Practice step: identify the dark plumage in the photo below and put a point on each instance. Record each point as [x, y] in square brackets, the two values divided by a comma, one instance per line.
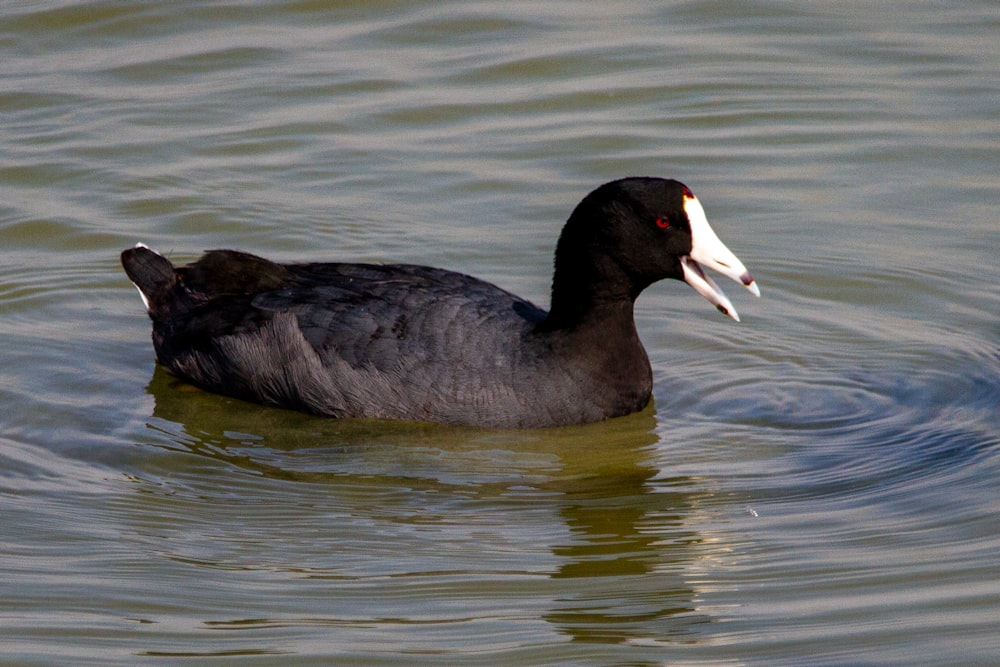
[398, 341]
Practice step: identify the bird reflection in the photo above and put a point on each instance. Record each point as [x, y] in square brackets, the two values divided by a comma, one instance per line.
[620, 541]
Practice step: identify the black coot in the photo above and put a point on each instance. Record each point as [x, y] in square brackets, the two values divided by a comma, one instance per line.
[398, 341]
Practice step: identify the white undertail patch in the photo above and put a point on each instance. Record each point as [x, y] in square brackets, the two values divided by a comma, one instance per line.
[145, 300]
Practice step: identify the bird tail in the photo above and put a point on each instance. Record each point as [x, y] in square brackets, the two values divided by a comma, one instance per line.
[153, 275]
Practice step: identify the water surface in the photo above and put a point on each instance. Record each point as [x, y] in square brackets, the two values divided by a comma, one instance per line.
[816, 485]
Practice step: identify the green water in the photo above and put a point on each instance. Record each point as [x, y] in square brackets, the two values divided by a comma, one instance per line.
[814, 486]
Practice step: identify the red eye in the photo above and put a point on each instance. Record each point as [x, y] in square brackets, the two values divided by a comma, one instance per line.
[662, 223]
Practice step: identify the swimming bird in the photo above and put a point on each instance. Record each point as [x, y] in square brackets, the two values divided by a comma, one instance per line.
[407, 342]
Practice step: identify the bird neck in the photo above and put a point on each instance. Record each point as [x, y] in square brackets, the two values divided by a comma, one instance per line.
[589, 295]
[589, 286]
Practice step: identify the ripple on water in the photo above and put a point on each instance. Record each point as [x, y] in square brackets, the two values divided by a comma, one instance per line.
[849, 163]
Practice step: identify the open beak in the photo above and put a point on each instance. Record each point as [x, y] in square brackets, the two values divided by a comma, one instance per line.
[707, 250]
